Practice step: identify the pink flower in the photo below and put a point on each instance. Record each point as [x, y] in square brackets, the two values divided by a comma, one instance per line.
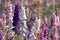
[55, 38]
[45, 20]
[53, 19]
[9, 10]
[1, 22]
[37, 38]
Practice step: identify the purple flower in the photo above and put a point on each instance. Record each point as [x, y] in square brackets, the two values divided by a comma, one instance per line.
[51, 36]
[0, 36]
[33, 17]
[45, 33]
[29, 24]
[16, 18]
[25, 38]
[46, 30]
[3, 1]
[42, 38]
[17, 31]
[44, 2]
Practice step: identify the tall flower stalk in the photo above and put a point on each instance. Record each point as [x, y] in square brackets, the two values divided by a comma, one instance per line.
[9, 14]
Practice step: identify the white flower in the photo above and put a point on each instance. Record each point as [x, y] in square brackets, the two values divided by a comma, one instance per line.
[11, 34]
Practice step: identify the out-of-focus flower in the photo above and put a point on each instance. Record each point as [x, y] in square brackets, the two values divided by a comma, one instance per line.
[37, 2]
[9, 13]
[27, 35]
[46, 20]
[33, 17]
[53, 19]
[37, 39]
[55, 38]
[1, 22]
[45, 33]
[30, 25]
[1, 36]
[46, 27]
[9, 10]
[16, 18]
[17, 31]
[43, 26]
[4, 18]
[26, 38]
[42, 33]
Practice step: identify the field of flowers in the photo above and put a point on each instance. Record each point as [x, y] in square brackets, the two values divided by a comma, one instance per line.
[29, 19]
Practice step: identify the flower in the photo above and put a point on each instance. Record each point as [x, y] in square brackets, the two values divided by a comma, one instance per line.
[0, 36]
[46, 20]
[37, 39]
[55, 38]
[25, 38]
[16, 18]
[45, 33]
[33, 17]
[29, 24]
[53, 19]
[17, 31]
[9, 13]
[1, 22]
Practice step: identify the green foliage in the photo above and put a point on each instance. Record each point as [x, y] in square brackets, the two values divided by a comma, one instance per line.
[13, 1]
[58, 5]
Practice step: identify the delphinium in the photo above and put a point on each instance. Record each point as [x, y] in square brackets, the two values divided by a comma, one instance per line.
[26, 38]
[41, 35]
[46, 28]
[26, 35]
[54, 28]
[16, 15]
[57, 19]
[53, 19]
[31, 21]
[17, 20]
[55, 33]
[9, 14]
[1, 22]
[4, 19]
[29, 24]
[33, 17]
